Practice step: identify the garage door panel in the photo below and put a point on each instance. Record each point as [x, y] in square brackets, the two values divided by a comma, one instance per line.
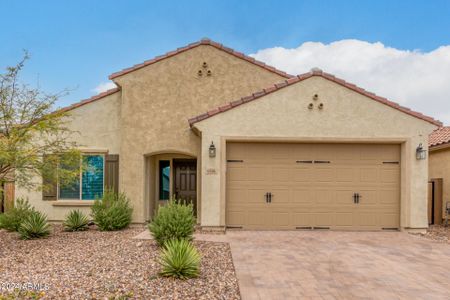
[260, 218]
[368, 219]
[256, 196]
[325, 219]
[302, 196]
[325, 197]
[313, 194]
[237, 195]
[324, 174]
[280, 174]
[389, 197]
[368, 197]
[344, 219]
[390, 175]
[280, 195]
[344, 197]
[346, 174]
[368, 174]
[236, 217]
[390, 220]
[302, 174]
[236, 173]
[280, 219]
[301, 219]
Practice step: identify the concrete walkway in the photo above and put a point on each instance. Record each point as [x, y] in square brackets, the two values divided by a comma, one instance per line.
[337, 265]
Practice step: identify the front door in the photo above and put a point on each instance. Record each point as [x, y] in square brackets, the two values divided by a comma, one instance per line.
[185, 180]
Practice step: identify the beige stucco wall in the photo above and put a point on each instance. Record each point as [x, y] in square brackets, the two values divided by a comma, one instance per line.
[347, 116]
[96, 128]
[439, 167]
[158, 100]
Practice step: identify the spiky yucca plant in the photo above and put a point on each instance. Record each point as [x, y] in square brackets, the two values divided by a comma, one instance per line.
[76, 221]
[179, 259]
[34, 226]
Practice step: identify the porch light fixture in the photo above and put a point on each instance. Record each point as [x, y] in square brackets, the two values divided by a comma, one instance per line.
[212, 150]
[420, 152]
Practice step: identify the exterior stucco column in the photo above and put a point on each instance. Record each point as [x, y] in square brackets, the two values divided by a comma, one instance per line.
[418, 185]
[211, 174]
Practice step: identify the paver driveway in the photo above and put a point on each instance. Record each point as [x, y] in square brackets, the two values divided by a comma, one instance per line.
[338, 265]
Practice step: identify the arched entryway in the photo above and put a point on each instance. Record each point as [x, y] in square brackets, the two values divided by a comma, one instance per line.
[170, 175]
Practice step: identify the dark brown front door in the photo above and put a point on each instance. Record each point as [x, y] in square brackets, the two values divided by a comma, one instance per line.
[185, 180]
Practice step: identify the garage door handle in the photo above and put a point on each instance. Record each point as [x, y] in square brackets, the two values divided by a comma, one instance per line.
[356, 197]
[268, 197]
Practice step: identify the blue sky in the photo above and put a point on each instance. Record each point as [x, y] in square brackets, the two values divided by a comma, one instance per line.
[77, 44]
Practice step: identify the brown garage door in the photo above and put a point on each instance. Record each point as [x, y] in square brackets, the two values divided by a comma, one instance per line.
[296, 186]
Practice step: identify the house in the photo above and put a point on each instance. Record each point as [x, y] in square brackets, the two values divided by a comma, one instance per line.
[439, 174]
[251, 146]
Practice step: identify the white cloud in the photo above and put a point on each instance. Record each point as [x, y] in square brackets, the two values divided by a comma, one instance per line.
[103, 87]
[416, 79]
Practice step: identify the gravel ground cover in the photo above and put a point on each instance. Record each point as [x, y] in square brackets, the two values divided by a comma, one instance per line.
[110, 265]
[438, 233]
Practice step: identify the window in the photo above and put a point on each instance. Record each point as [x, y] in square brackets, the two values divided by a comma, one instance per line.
[90, 183]
[164, 179]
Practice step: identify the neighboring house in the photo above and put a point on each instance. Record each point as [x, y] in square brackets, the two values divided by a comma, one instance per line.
[250, 146]
[439, 173]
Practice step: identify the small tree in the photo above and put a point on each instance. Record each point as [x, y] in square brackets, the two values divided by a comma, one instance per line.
[31, 133]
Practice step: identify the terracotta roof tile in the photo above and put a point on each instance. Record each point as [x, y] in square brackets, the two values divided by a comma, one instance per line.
[196, 44]
[439, 137]
[318, 72]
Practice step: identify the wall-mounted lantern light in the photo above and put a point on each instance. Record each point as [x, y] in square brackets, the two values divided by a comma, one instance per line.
[212, 150]
[420, 152]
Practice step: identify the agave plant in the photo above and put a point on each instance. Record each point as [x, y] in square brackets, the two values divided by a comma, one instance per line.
[34, 226]
[76, 221]
[179, 259]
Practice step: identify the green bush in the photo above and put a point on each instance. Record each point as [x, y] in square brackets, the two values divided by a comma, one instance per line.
[76, 221]
[112, 212]
[179, 259]
[173, 221]
[12, 219]
[34, 226]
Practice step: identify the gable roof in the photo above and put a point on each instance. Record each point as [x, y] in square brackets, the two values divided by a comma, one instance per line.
[204, 41]
[89, 100]
[298, 78]
[439, 137]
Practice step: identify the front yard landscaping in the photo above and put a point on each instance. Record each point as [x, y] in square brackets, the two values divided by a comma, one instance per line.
[97, 264]
[439, 233]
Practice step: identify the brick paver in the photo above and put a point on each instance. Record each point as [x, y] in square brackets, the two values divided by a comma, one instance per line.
[338, 265]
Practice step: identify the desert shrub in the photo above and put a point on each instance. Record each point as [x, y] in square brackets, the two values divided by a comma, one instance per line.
[76, 221]
[112, 212]
[179, 259]
[12, 218]
[173, 221]
[34, 226]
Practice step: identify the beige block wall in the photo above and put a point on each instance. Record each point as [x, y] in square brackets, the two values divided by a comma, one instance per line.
[347, 117]
[96, 127]
[439, 167]
[159, 99]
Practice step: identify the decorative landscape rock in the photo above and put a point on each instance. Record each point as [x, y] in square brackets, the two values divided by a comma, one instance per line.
[99, 265]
